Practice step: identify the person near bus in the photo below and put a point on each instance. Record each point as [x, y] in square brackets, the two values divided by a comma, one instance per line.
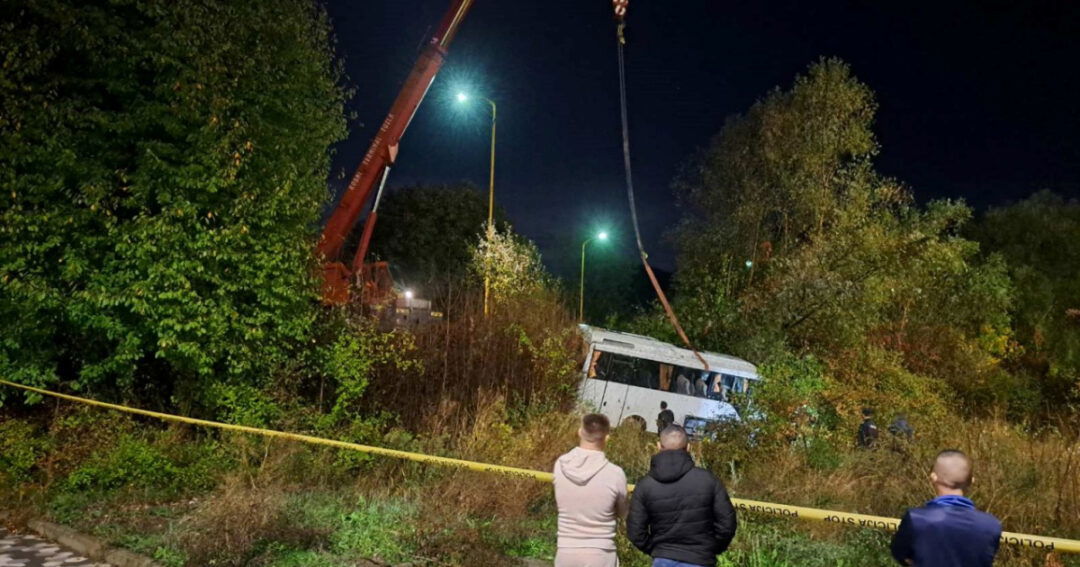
[948, 531]
[680, 515]
[868, 430]
[665, 418]
[901, 429]
[591, 496]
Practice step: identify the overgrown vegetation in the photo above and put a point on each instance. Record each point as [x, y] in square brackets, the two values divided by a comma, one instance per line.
[164, 165]
[163, 168]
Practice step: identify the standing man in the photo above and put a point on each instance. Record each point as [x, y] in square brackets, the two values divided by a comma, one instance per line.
[948, 531]
[868, 431]
[680, 515]
[665, 418]
[590, 493]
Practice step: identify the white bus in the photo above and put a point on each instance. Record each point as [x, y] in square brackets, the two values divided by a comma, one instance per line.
[626, 376]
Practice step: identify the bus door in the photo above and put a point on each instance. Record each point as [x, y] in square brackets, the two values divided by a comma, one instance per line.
[608, 390]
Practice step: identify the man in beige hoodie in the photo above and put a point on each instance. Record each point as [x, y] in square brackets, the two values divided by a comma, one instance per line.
[591, 494]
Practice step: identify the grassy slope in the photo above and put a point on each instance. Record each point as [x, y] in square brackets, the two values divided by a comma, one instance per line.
[185, 498]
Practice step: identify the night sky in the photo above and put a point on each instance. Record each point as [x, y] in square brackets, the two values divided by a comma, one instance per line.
[979, 100]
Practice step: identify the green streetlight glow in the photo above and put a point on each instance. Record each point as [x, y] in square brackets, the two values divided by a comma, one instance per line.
[602, 235]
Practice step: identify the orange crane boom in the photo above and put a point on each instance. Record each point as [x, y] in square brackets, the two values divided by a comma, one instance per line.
[375, 166]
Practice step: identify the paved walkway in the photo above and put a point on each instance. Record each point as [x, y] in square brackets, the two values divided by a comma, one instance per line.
[25, 550]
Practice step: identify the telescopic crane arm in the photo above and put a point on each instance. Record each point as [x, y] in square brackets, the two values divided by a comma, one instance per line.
[378, 159]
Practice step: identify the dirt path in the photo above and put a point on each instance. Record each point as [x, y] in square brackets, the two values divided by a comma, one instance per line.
[25, 550]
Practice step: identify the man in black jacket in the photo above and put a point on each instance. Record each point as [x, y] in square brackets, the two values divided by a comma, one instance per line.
[868, 431]
[680, 514]
[665, 418]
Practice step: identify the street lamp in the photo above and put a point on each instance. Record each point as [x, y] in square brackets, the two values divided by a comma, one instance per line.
[581, 287]
[463, 98]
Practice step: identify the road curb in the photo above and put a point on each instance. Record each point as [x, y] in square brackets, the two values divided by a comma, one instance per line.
[88, 546]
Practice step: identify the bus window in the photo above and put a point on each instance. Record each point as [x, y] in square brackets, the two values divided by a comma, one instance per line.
[701, 384]
[733, 384]
[646, 374]
[682, 381]
[615, 368]
[716, 387]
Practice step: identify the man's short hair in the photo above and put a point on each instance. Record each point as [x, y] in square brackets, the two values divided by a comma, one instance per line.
[953, 469]
[595, 427]
[673, 437]
[867, 412]
[663, 405]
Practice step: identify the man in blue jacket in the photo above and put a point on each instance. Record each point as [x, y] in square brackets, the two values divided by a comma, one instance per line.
[948, 531]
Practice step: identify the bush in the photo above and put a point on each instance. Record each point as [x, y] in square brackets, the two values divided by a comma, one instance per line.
[244, 404]
[22, 446]
[139, 462]
[377, 529]
[764, 543]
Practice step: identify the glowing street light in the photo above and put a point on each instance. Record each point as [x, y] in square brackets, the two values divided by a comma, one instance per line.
[462, 98]
[602, 235]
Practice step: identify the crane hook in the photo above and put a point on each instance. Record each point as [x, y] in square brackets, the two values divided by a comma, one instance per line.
[620, 16]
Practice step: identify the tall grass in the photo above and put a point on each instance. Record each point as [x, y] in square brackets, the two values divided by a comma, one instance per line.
[1027, 479]
[524, 351]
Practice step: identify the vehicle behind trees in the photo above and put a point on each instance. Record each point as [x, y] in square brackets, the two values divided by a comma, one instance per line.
[626, 376]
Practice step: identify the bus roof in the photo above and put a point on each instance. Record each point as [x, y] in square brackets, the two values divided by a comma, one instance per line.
[640, 346]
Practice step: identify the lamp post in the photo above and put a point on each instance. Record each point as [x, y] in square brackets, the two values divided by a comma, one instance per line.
[462, 98]
[581, 287]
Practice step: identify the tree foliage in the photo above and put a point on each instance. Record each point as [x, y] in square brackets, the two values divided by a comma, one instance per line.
[1040, 241]
[163, 165]
[793, 245]
[512, 265]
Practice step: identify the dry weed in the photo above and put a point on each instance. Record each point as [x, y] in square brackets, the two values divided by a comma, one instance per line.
[249, 508]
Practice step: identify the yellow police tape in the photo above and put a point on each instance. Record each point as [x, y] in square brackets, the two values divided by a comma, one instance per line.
[781, 510]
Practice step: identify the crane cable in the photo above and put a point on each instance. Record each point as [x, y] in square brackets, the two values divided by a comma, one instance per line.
[620, 20]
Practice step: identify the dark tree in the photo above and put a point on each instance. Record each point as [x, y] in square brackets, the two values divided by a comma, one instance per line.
[162, 167]
[793, 244]
[428, 232]
[1040, 241]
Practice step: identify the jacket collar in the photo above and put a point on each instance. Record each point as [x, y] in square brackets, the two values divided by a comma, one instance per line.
[669, 466]
[952, 501]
